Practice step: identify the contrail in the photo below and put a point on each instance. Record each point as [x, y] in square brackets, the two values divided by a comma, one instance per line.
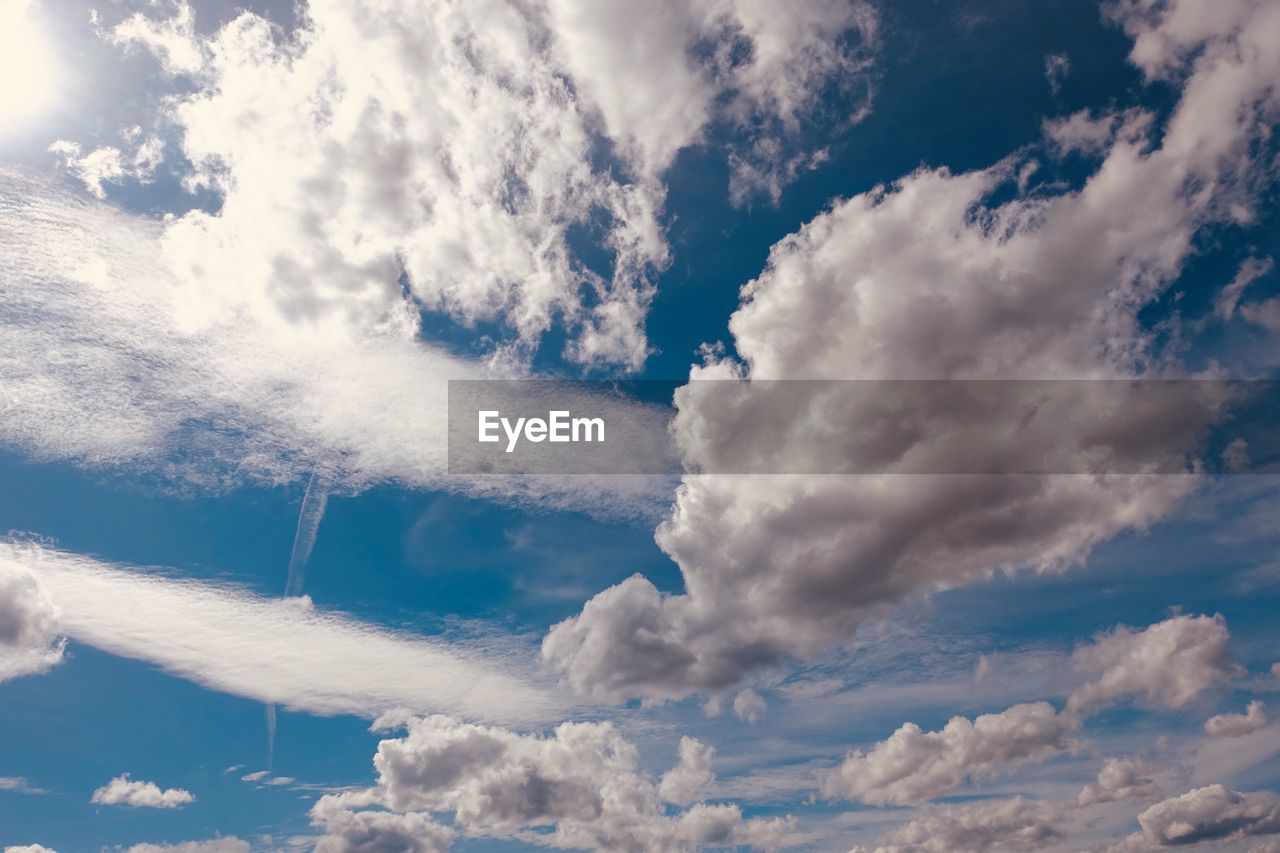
[309, 515]
[314, 500]
[271, 734]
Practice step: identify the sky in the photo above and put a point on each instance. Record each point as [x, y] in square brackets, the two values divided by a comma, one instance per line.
[246, 604]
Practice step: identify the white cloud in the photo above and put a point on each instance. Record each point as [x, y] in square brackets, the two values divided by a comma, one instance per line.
[913, 766]
[125, 382]
[1120, 779]
[123, 791]
[1013, 824]
[1056, 68]
[229, 844]
[1237, 725]
[29, 848]
[931, 279]
[660, 75]
[577, 788]
[749, 706]
[1167, 665]
[275, 650]
[108, 163]
[20, 785]
[29, 641]
[687, 782]
[1211, 813]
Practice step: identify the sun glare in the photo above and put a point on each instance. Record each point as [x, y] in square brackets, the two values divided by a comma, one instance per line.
[28, 66]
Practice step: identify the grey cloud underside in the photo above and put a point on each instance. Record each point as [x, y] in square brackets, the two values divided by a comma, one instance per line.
[931, 279]
[579, 784]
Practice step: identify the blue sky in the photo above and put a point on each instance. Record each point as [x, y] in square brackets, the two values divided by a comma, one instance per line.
[243, 246]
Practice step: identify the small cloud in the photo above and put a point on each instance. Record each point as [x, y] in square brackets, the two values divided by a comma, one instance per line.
[256, 776]
[123, 791]
[1056, 68]
[19, 785]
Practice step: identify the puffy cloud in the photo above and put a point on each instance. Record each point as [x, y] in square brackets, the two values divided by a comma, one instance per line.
[749, 706]
[347, 828]
[1120, 779]
[229, 844]
[123, 791]
[282, 651]
[1168, 664]
[29, 641]
[660, 76]
[931, 278]
[1211, 813]
[913, 766]
[1013, 824]
[109, 163]
[686, 782]
[581, 783]
[1237, 725]
[29, 848]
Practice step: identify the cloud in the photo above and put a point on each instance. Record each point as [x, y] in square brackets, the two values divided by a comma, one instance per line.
[1120, 779]
[123, 791]
[749, 706]
[913, 766]
[275, 650]
[1013, 824]
[29, 630]
[346, 829]
[1237, 725]
[20, 785]
[229, 844]
[109, 164]
[1167, 665]
[579, 787]
[688, 780]
[1211, 813]
[938, 276]
[1056, 68]
[29, 848]
[135, 386]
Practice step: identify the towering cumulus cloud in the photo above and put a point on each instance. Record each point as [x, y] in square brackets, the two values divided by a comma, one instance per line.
[940, 277]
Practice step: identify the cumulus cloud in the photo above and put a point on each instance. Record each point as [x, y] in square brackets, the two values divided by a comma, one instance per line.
[1166, 665]
[348, 828]
[1238, 725]
[913, 766]
[688, 780]
[1013, 824]
[932, 278]
[1211, 813]
[283, 651]
[123, 791]
[577, 788]
[229, 844]
[1120, 779]
[461, 173]
[29, 848]
[749, 706]
[29, 631]
[109, 164]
